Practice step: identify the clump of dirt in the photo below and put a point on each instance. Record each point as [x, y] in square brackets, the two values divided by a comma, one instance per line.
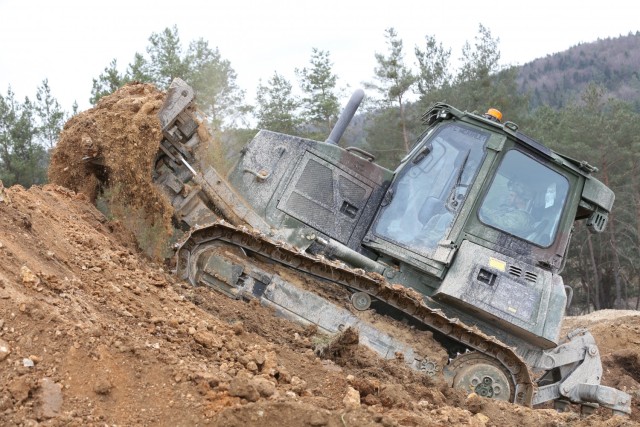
[341, 346]
[110, 149]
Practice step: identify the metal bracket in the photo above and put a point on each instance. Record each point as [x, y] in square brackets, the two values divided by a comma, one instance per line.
[582, 385]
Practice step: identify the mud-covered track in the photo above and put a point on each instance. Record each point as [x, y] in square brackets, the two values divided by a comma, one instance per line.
[401, 298]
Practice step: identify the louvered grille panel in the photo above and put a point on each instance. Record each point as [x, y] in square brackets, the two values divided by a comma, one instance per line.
[352, 192]
[531, 277]
[312, 212]
[326, 198]
[519, 272]
[515, 271]
[317, 182]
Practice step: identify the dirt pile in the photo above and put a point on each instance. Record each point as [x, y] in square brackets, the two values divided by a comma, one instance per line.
[109, 151]
[91, 333]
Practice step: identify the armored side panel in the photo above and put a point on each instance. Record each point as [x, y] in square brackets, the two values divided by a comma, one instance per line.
[505, 292]
[302, 186]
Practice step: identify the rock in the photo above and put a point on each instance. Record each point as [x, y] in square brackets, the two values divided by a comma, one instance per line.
[351, 399]
[371, 400]
[388, 422]
[283, 376]
[244, 359]
[480, 419]
[241, 387]
[265, 387]
[49, 399]
[206, 339]
[365, 386]
[298, 385]
[5, 350]
[474, 403]
[259, 358]
[238, 328]
[318, 419]
[19, 389]
[28, 277]
[269, 362]
[291, 395]
[393, 395]
[102, 386]
[202, 326]
[4, 197]
[5, 402]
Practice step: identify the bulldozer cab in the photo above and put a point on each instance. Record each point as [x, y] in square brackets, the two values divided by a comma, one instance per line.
[470, 178]
[487, 213]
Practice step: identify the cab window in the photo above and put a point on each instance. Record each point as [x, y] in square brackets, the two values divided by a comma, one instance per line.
[525, 199]
[432, 186]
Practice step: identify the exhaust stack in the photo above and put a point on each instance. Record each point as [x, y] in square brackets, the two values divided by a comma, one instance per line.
[346, 116]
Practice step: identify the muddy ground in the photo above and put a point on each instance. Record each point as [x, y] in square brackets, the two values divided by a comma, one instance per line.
[94, 332]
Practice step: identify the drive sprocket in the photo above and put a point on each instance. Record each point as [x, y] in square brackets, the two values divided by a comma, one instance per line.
[481, 374]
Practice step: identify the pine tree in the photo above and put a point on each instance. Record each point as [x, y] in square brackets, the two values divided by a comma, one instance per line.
[107, 82]
[434, 66]
[277, 106]
[50, 115]
[394, 79]
[318, 83]
[22, 159]
[214, 81]
[482, 60]
[211, 76]
[166, 60]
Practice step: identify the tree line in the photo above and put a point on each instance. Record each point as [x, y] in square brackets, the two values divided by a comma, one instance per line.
[603, 131]
[28, 131]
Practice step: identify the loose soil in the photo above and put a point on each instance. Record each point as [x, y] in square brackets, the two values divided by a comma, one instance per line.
[94, 332]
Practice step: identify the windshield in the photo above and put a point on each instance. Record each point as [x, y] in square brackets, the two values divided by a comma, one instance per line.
[431, 188]
[525, 199]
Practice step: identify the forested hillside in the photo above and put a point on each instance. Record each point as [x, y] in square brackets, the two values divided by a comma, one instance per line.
[559, 79]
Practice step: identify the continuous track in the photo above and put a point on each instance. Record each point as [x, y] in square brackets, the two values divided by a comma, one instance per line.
[409, 302]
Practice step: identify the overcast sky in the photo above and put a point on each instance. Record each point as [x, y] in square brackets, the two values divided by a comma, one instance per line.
[70, 42]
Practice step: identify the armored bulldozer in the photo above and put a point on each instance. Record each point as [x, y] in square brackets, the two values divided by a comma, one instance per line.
[466, 239]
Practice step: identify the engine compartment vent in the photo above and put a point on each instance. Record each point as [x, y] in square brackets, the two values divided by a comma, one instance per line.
[325, 197]
[515, 271]
[530, 277]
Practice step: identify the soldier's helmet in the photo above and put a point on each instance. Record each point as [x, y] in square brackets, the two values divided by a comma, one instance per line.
[521, 189]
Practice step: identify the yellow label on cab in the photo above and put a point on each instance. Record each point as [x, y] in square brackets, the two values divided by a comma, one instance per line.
[497, 264]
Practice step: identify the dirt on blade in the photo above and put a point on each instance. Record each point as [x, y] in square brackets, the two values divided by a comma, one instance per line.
[110, 149]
